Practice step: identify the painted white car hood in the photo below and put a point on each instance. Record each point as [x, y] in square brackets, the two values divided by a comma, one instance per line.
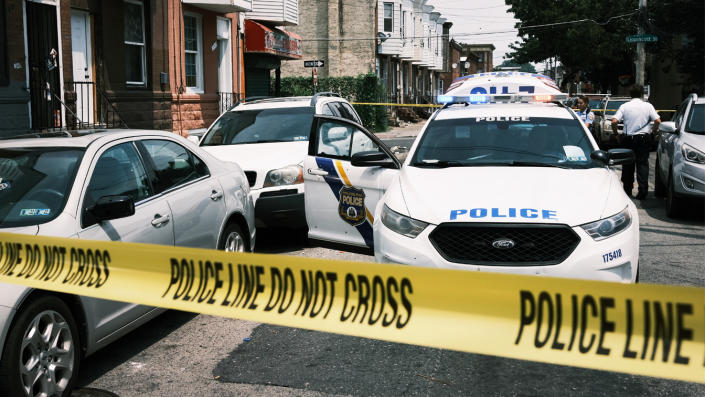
[575, 196]
[261, 157]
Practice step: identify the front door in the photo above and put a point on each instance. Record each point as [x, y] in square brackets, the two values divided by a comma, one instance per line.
[225, 65]
[82, 66]
[44, 63]
[340, 198]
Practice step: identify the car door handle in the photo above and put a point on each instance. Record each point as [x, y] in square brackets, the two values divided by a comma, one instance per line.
[216, 195]
[317, 171]
[160, 220]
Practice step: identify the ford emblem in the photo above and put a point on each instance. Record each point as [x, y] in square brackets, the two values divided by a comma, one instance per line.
[503, 244]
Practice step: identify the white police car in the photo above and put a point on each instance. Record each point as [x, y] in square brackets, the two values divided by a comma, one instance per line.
[503, 178]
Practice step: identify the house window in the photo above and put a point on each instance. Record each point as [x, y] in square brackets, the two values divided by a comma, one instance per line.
[193, 52]
[135, 48]
[388, 17]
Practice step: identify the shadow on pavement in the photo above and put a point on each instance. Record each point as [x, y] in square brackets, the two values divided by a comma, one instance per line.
[129, 346]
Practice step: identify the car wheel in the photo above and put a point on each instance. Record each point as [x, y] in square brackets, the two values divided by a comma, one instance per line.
[42, 351]
[233, 240]
[637, 273]
[673, 203]
[659, 186]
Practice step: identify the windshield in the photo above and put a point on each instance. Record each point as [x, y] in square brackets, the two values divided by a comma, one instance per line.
[696, 119]
[612, 107]
[594, 104]
[526, 141]
[261, 126]
[35, 183]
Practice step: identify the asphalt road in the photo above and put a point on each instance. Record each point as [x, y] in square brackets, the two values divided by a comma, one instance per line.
[194, 355]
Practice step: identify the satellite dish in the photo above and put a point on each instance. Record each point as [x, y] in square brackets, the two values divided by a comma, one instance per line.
[455, 65]
[382, 37]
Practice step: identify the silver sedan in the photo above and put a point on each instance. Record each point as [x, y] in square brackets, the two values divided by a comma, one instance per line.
[130, 185]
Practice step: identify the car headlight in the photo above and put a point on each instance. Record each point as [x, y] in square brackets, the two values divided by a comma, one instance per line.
[291, 175]
[692, 154]
[402, 224]
[608, 227]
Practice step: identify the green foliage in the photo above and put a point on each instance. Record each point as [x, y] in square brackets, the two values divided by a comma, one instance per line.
[597, 46]
[525, 67]
[597, 49]
[363, 88]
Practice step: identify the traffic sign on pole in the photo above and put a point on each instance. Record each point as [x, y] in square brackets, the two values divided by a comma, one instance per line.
[314, 64]
[642, 38]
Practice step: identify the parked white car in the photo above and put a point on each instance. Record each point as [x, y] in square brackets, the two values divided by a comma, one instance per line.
[129, 185]
[509, 182]
[680, 157]
[269, 139]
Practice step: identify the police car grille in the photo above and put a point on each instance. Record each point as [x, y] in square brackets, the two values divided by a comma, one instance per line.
[533, 244]
[251, 177]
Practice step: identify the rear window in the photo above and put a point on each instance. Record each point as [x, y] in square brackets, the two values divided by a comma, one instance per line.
[261, 126]
[696, 119]
[35, 183]
[612, 107]
[521, 141]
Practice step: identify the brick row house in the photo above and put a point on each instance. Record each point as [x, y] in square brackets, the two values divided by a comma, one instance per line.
[157, 64]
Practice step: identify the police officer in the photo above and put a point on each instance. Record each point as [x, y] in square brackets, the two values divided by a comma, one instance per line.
[636, 135]
[584, 112]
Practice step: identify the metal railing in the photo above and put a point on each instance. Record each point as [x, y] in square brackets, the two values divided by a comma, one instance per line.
[89, 107]
[226, 100]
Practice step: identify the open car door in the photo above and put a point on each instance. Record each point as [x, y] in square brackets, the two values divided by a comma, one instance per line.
[346, 172]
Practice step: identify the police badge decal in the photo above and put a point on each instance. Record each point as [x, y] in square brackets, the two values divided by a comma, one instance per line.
[352, 205]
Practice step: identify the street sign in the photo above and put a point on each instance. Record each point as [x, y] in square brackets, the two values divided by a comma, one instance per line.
[314, 64]
[642, 38]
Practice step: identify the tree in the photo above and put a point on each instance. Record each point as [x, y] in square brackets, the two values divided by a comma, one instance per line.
[594, 48]
[524, 67]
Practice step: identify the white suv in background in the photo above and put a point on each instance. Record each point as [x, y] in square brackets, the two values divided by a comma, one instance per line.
[268, 138]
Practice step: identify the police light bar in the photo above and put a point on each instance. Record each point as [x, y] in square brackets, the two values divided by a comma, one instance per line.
[482, 98]
[503, 83]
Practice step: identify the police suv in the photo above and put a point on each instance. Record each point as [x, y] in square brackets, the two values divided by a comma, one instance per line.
[503, 178]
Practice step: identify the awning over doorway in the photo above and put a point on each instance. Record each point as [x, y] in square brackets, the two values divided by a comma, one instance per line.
[260, 39]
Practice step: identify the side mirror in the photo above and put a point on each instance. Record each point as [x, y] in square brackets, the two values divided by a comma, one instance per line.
[668, 127]
[372, 159]
[600, 155]
[621, 156]
[113, 207]
[193, 138]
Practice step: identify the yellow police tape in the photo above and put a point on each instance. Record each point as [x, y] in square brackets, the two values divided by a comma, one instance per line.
[653, 330]
[418, 105]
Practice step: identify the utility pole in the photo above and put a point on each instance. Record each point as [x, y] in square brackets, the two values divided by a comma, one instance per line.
[640, 53]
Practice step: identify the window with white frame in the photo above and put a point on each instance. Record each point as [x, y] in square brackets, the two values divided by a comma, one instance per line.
[135, 43]
[388, 17]
[193, 49]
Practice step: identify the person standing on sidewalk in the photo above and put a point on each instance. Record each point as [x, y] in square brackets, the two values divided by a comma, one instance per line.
[636, 135]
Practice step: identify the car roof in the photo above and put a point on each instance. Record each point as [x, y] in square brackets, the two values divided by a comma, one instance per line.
[286, 102]
[534, 109]
[82, 139]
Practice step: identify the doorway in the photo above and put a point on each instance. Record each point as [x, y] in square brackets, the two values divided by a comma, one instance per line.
[81, 54]
[44, 63]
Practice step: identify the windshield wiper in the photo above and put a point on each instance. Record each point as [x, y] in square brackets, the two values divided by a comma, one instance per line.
[266, 141]
[438, 164]
[515, 163]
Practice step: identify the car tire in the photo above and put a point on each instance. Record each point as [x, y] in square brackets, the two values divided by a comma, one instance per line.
[46, 317]
[636, 281]
[659, 186]
[233, 240]
[674, 204]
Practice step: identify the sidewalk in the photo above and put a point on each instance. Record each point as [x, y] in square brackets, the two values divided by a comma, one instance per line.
[406, 130]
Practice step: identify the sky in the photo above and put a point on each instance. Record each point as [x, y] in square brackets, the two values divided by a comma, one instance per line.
[477, 21]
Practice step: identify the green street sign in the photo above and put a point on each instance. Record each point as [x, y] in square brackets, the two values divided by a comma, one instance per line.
[642, 38]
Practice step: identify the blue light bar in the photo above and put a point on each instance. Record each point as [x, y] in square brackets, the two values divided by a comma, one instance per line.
[445, 99]
[476, 98]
